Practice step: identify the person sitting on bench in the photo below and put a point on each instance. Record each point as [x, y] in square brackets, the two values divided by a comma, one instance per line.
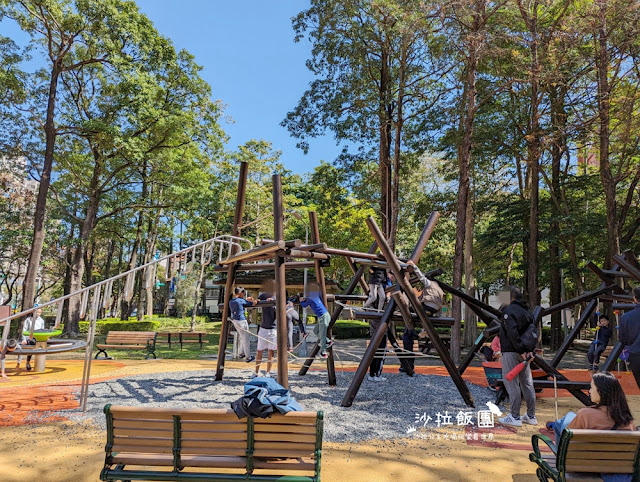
[610, 412]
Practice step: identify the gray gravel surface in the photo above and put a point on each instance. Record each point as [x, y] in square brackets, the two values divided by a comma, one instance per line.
[382, 410]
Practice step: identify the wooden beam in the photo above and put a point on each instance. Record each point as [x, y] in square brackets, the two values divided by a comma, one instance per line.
[281, 293]
[256, 252]
[235, 231]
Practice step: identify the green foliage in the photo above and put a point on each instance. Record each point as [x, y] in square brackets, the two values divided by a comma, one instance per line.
[344, 329]
[105, 326]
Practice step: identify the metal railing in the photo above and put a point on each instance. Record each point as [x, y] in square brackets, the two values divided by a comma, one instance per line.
[178, 262]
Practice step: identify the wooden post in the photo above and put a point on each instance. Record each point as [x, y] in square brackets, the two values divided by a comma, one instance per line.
[315, 238]
[281, 291]
[231, 272]
[426, 322]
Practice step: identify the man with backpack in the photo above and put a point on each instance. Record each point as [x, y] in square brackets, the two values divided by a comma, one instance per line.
[517, 341]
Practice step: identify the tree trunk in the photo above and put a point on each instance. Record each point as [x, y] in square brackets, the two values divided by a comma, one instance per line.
[126, 305]
[151, 270]
[604, 104]
[470, 332]
[384, 153]
[464, 160]
[37, 242]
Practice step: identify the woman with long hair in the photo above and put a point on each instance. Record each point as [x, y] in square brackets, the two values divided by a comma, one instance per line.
[610, 412]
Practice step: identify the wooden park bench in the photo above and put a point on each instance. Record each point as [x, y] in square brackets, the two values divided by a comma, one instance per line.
[129, 340]
[209, 444]
[585, 454]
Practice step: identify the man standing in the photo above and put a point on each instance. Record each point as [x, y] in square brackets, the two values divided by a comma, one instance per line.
[236, 307]
[603, 335]
[38, 324]
[629, 334]
[516, 319]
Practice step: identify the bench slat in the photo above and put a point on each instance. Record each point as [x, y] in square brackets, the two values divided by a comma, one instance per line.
[305, 464]
[214, 436]
[144, 441]
[280, 453]
[213, 427]
[279, 428]
[142, 449]
[143, 424]
[124, 347]
[605, 447]
[284, 437]
[229, 462]
[310, 448]
[225, 450]
[575, 455]
[127, 458]
[605, 436]
[590, 465]
[143, 432]
[234, 444]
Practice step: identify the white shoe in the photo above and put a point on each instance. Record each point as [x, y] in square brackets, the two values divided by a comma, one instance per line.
[267, 375]
[530, 420]
[381, 379]
[510, 420]
[371, 379]
[254, 374]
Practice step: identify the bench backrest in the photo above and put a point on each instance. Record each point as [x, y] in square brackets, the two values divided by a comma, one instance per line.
[615, 451]
[217, 432]
[130, 337]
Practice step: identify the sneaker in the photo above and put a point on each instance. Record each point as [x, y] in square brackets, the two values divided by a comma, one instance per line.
[254, 375]
[267, 375]
[241, 356]
[380, 379]
[401, 369]
[371, 379]
[329, 343]
[530, 420]
[550, 425]
[324, 355]
[510, 420]
[250, 359]
[28, 366]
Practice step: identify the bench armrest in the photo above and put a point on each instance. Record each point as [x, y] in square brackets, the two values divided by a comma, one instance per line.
[535, 438]
[536, 456]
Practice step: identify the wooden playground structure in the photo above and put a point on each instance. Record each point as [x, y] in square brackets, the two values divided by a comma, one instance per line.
[279, 255]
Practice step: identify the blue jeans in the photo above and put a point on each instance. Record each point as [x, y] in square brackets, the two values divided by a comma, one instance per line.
[558, 427]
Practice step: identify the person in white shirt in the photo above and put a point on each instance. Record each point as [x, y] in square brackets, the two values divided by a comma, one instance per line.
[38, 324]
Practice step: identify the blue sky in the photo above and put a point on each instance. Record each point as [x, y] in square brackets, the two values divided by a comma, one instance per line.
[249, 58]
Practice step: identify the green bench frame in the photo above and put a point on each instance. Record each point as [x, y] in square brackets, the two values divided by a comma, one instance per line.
[284, 429]
[588, 452]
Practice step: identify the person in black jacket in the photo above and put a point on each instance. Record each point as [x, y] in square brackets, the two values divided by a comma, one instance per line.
[603, 335]
[515, 321]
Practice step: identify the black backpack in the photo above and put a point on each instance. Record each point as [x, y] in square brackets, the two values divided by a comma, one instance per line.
[529, 338]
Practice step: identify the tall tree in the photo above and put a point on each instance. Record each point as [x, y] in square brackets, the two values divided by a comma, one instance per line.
[71, 35]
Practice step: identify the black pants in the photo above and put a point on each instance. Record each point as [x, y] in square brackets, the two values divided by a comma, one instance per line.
[593, 355]
[634, 364]
[408, 338]
[375, 369]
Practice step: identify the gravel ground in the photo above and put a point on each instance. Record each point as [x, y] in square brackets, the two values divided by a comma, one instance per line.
[382, 410]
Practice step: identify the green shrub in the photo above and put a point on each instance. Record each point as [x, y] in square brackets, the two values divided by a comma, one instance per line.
[104, 326]
[344, 329]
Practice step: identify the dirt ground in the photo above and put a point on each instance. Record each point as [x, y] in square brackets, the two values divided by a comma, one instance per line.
[37, 446]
